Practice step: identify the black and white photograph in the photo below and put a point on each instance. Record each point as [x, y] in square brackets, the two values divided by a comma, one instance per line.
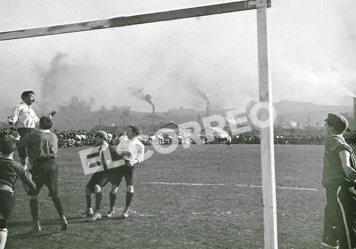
[178, 124]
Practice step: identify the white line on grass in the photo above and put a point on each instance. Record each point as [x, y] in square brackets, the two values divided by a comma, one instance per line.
[217, 213]
[223, 184]
[212, 184]
[186, 184]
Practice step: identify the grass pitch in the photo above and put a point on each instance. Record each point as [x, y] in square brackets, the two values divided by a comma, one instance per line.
[200, 197]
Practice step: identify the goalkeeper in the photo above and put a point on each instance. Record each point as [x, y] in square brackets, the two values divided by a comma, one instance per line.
[25, 119]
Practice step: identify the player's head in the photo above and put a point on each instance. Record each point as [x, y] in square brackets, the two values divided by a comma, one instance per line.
[133, 131]
[7, 145]
[337, 123]
[28, 97]
[100, 137]
[45, 123]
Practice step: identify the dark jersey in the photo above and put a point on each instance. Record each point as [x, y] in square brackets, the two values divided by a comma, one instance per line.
[333, 172]
[10, 171]
[42, 144]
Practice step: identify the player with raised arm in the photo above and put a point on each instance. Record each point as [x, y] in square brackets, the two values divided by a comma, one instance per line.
[10, 171]
[25, 120]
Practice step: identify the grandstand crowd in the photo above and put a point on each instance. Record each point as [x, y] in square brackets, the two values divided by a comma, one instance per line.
[79, 138]
[73, 138]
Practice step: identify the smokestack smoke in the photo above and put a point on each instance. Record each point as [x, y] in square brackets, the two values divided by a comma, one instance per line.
[346, 90]
[51, 79]
[196, 91]
[139, 93]
[199, 93]
[148, 98]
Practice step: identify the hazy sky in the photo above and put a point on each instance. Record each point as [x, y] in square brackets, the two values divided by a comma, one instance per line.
[312, 54]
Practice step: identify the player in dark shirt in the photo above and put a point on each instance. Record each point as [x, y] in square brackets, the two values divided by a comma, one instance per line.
[42, 148]
[101, 178]
[339, 181]
[10, 171]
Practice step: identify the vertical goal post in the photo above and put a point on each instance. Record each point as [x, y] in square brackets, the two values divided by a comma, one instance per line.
[265, 89]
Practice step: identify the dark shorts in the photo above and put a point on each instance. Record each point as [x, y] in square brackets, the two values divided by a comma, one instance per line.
[100, 178]
[116, 175]
[23, 132]
[45, 172]
[7, 204]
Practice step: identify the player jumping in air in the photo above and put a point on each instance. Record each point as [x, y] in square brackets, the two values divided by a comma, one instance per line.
[25, 120]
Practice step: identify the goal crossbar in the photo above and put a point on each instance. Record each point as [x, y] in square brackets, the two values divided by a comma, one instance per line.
[130, 20]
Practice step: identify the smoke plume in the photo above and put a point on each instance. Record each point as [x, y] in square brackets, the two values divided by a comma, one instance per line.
[60, 82]
[140, 94]
[196, 91]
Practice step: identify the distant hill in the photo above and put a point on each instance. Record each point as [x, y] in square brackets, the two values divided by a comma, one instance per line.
[288, 107]
[304, 112]
[78, 116]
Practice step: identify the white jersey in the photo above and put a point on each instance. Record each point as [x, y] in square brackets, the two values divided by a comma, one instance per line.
[23, 116]
[135, 147]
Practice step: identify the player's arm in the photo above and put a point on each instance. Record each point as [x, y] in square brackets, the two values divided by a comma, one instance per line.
[139, 155]
[121, 151]
[12, 119]
[350, 173]
[51, 115]
[25, 177]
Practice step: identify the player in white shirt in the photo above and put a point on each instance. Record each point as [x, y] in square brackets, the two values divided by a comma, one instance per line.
[25, 120]
[132, 151]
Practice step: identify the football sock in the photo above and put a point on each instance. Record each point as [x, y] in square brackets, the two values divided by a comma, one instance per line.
[3, 237]
[112, 200]
[98, 197]
[129, 197]
[58, 204]
[34, 209]
[88, 199]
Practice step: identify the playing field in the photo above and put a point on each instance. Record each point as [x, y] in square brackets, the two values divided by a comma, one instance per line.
[200, 197]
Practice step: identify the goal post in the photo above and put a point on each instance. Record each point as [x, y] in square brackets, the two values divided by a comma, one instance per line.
[265, 89]
[267, 137]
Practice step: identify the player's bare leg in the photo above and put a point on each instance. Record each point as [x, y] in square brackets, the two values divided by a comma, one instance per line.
[3, 237]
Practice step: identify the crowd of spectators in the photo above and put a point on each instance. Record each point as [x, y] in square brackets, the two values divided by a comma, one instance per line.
[82, 138]
[73, 138]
